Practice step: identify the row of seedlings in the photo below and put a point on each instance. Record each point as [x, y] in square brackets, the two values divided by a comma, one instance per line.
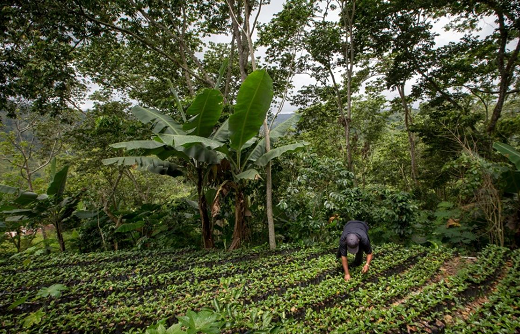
[372, 295]
[424, 311]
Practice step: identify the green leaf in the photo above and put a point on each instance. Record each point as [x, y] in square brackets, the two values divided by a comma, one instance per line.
[33, 318]
[129, 227]
[508, 151]
[281, 129]
[57, 185]
[206, 110]
[26, 198]
[160, 123]
[274, 153]
[253, 101]
[138, 144]
[9, 190]
[18, 302]
[82, 214]
[177, 100]
[187, 140]
[53, 291]
[150, 164]
[15, 211]
[205, 321]
[16, 218]
[203, 154]
[221, 72]
[53, 167]
[222, 133]
[250, 174]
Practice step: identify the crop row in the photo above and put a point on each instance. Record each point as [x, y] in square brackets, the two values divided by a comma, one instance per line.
[111, 281]
[150, 265]
[501, 311]
[294, 302]
[423, 310]
[136, 290]
[138, 306]
[372, 295]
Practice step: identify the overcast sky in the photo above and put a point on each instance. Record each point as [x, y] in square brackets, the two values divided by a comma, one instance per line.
[268, 12]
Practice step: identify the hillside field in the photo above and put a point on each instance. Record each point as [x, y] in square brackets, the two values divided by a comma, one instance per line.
[290, 290]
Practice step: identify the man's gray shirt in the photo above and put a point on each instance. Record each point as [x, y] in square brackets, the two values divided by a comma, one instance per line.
[360, 229]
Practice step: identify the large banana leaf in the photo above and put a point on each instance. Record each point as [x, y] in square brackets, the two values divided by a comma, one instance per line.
[206, 110]
[57, 185]
[161, 123]
[189, 140]
[8, 190]
[150, 164]
[253, 100]
[138, 144]
[222, 133]
[203, 154]
[512, 154]
[279, 131]
[26, 197]
[250, 174]
[274, 153]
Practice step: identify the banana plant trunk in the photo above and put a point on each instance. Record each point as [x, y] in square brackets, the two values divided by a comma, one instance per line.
[207, 233]
[239, 232]
[59, 235]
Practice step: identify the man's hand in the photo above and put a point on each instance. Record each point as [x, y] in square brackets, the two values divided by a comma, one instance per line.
[347, 277]
[365, 269]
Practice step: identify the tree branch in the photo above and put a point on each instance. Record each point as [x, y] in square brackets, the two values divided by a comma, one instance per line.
[143, 40]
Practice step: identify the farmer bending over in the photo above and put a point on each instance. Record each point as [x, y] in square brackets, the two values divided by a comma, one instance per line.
[355, 239]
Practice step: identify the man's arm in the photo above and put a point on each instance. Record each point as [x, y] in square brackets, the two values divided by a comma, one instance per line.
[367, 265]
[344, 262]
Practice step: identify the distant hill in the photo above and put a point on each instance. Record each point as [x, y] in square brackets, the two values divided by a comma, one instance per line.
[281, 118]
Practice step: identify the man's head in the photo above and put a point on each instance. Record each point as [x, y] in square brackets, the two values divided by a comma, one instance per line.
[352, 243]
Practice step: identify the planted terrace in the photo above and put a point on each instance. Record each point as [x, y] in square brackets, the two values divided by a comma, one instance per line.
[294, 290]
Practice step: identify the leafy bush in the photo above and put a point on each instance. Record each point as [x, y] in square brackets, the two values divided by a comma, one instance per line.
[321, 197]
[150, 226]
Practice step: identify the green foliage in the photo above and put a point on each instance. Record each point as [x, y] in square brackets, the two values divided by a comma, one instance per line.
[54, 291]
[451, 228]
[317, 189]
[147, 226]
[253, 101]
[295, 289]
[206, 110]
[511, 178]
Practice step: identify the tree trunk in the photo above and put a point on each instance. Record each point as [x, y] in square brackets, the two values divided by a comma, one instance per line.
[45, 242]
[269, 192]
[506, 69]
[182, 52]
[348, 21]
[239, 232]
[59, 235]
[207, 233]
[240, 38]
[408, 122]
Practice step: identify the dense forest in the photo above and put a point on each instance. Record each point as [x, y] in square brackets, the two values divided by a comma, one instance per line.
[183, 154]
[406, 118]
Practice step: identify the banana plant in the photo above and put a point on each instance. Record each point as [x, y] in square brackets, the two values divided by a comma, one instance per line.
[201, 143]
[31, 208]
[511, 177]
[174, 139]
